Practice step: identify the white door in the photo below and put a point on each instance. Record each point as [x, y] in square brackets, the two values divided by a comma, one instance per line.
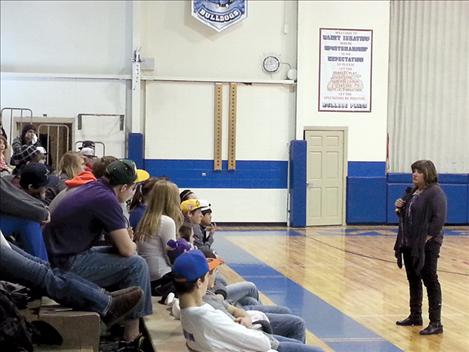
[325, 177]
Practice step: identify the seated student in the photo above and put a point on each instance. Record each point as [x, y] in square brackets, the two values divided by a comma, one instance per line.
[22, 215]
[282, 321]
[22, 145]
[71, 185]
[184, 243]
[208, 329]
[71, 164]
[187, 194]
[79, 221]
[159, 224]
[207, 227]
[88, 151]
[139, 202]
[31, 154]
[34, 180]
[192, 211]
[66, 288]
[5, 169]
[81, 179]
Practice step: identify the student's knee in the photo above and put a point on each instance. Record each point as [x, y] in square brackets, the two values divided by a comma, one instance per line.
[138, 266]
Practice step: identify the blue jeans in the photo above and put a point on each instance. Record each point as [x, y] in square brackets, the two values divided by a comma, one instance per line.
[242, 293]
[29, 233]
[283, 323]
[268, 309]
[106, 268]
[290, 345]
[64, 287]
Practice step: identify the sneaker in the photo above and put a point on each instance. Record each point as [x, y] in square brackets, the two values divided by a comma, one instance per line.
[169, 299]
[123, 291]
[132, 346]
[176, 309]
[122, 305]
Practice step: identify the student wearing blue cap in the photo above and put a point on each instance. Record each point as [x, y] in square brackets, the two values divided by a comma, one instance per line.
[208, 329]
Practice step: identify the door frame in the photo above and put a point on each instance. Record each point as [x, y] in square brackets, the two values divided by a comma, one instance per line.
[344, 129]
[40, 119]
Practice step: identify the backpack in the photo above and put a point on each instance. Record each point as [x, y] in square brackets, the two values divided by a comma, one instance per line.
[15, 332]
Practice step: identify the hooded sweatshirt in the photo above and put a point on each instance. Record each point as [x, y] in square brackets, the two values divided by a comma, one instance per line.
[71, 185]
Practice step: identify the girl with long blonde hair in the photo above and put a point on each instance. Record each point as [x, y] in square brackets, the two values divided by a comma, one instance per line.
[70, 165]
[159, 224]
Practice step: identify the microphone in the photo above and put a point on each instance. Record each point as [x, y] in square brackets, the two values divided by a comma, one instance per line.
[407, 196]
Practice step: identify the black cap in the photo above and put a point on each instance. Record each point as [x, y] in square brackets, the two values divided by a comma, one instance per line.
[124, 172]
[184, 195]
[34, 174]
[87, 144]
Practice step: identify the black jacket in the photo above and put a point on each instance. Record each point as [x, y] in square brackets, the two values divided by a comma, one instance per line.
[16, 202]
[426, 217]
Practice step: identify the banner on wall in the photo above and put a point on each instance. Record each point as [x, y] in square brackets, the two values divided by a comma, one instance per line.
[219, 14]
[345, 63]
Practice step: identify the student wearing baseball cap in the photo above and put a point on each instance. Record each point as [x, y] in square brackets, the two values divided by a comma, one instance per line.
[209, 329]
[192, 211]
[80, 220]
[202, 324]
[34, 180]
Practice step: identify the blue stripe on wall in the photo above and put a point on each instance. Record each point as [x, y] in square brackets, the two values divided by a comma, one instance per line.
[200, 173]
[366, 168]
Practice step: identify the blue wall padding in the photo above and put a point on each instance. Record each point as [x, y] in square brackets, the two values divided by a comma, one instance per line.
[457, 203]
[455, 186]
[395, 190]
[467, 204]
[298, 183]
[200, 173]
[366, 168]
[399, 178]
[135, 148]
[454, 178]
[366, 200]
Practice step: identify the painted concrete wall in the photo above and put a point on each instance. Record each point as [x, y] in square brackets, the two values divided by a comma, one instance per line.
[66, 36]
[366, 131]
[83, 41]
[179, 115]
[78, 38]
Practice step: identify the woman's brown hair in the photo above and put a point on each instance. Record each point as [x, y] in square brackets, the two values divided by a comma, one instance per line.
[428, 169]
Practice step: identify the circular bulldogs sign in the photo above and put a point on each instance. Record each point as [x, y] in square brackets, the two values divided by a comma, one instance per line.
[219, 14]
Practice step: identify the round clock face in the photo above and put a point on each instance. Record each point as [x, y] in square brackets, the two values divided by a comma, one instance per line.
[271, 64]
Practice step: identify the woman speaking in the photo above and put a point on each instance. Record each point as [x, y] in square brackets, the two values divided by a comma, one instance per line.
[422, 213]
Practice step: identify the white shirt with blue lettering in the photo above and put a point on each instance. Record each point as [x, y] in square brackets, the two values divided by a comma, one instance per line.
[207, 329]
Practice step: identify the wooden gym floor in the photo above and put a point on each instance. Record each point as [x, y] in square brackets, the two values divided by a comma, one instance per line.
[344, 282]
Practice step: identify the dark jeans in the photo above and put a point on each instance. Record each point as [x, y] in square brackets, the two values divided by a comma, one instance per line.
[66, 288]
[106, 268]
[429, 277]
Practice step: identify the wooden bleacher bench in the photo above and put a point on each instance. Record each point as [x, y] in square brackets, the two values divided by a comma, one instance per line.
[163, 330]
[80, 330]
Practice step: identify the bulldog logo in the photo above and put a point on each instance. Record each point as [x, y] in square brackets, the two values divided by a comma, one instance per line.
[219, 14]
